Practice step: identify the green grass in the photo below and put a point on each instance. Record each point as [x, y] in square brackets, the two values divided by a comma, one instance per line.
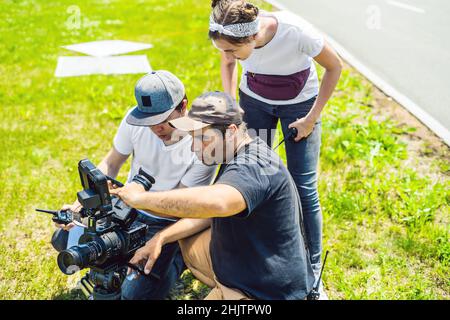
[386, 209]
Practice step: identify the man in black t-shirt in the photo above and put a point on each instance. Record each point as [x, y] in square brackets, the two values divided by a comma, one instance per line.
[255, 247]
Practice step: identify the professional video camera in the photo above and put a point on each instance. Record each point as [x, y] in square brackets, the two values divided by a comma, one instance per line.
[111, 237]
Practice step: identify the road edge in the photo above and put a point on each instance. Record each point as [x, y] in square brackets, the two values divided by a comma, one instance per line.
[438, 129]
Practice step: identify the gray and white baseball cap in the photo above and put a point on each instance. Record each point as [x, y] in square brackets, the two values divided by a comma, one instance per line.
[157, 94]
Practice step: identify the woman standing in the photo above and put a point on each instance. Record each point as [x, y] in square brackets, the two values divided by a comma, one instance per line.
[279, 82]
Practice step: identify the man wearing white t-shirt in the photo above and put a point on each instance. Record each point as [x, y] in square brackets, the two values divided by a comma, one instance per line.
[146, 134]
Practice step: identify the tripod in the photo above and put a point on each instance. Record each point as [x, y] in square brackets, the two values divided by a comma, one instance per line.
[103, 284]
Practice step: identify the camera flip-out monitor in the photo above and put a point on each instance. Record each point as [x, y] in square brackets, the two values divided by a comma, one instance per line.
[95, 195]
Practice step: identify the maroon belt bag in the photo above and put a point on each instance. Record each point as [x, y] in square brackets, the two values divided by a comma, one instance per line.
[275, 87]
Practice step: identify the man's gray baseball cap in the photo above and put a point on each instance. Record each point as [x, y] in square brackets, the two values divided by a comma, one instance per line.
[157, 94]
[211, 108]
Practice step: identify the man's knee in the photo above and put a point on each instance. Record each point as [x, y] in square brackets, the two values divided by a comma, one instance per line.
[187, 248]
[194, 246]
[195, 251]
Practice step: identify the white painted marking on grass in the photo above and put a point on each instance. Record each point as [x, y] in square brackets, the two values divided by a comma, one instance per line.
[103, 59]
[82, 66]
[106, 48]
[383, 85]
[405, 6]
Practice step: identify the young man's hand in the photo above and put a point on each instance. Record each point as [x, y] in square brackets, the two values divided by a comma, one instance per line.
[75, 207]
[111, 186]
[148, 254]
[129, 193]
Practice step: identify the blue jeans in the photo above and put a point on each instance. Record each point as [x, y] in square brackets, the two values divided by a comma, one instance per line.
[302, 159]
[170, 266]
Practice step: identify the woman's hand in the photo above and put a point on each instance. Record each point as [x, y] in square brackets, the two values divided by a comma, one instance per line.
[148, 254]
[304, 127]
[129, 194]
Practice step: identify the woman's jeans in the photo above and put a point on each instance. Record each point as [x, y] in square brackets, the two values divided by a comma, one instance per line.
[302, 160]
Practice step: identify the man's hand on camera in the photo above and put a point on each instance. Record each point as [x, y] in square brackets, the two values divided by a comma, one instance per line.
[111, 186]
[148, 254]
[129, 193]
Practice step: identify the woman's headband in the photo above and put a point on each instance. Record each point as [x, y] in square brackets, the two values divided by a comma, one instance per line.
[238, 30]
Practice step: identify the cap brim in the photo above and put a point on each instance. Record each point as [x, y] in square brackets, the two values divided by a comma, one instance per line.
[139, 118]
[188, 124]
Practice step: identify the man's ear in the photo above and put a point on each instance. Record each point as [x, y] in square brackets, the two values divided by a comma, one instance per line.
[184, 107]
[231, 130]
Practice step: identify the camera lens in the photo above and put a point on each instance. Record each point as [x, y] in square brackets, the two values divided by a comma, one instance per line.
[78, 257]
[69, 261]
[95, 252]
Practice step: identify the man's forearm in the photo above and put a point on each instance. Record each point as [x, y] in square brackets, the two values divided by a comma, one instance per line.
[181, 203]
[218, 200]
[198, 202]
[112, 162]
[108, 169]
[182, 229]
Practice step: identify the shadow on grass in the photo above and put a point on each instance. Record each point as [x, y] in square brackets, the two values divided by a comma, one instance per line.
[69, 294]
[186, 288]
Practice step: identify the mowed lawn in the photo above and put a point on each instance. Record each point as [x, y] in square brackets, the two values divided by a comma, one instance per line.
[386, 206]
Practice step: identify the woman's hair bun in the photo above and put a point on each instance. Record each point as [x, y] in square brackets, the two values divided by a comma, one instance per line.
[251, 9]
[214, 3]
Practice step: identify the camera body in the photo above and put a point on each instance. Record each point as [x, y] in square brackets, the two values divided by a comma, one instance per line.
[112, 242]
[112, 235]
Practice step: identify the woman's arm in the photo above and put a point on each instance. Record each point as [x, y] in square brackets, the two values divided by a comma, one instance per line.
[229, 74]
[328, 59]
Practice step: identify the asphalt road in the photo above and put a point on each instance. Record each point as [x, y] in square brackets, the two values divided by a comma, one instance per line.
[405, 42]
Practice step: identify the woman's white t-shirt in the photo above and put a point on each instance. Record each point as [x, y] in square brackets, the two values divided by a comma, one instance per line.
[291, 50]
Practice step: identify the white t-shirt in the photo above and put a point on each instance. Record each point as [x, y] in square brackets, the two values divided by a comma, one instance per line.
[169, 165]
[291, 50]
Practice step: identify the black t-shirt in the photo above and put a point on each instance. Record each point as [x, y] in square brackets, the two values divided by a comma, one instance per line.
[261, 251]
